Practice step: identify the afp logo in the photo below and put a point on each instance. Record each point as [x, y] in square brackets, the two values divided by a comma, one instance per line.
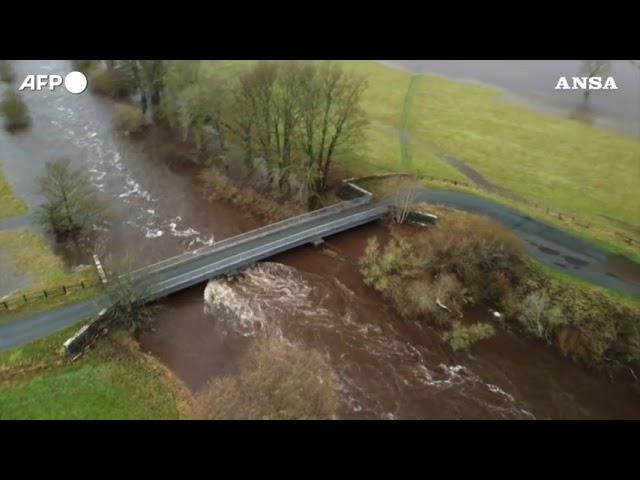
[586, 83]
[74, 82]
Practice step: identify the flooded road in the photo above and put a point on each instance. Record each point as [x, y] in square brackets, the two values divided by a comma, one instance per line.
[533, 82]
[387, 367]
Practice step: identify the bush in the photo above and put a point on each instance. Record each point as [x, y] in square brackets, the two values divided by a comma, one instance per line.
[539, 317]
[112, 83]
[14, 111]
[84, 66]
[484, 257]
[6, 72]
[462, 337]
[220, 187]
[463, 260]
[585, 323]
[130, 119]
[277, 381]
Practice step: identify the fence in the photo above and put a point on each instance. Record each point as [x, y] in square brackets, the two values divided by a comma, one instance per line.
[20, 299]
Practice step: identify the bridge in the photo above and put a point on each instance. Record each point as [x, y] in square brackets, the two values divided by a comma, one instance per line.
[224, 257]
[232, 254]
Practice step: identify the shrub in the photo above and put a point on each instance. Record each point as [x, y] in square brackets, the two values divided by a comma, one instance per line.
[484, 257]
[84, 66]
[71, 207]
[380, 267]
[220, 187]
[112, 83]
[463, 260]
[462, 337]
[539, 317]
[593, 327]
[129, 119]
[277, 381]
[14, 111]
[6, 72]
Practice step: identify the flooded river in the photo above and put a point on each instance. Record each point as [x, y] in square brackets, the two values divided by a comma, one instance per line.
[387, 367]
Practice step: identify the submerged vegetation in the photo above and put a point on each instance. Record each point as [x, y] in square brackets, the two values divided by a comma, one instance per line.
[461, 337]
[220, 187]
[278, 381]
[71, 205]
[6, 72]
[14, 111]
[466, 260]
[10, 204]
[130, 119]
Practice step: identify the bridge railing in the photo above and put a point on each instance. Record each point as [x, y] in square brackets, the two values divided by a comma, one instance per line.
[252, 234]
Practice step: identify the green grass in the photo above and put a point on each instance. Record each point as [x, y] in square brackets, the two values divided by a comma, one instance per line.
[10, 204]
[386, 186]
[570, 280]
[30, 253]
[556, 163]
[112, 381]
[569, 173]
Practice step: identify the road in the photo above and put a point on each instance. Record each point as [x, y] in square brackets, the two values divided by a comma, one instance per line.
[547, 244]
[543, 242]
[189, 269]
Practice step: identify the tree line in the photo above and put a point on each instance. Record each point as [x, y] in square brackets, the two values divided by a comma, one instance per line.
[297, 116]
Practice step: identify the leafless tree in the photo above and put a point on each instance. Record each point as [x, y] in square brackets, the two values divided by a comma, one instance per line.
[401, 202]
[595, 68]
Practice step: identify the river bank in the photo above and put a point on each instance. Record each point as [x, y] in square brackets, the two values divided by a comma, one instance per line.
[387, 368]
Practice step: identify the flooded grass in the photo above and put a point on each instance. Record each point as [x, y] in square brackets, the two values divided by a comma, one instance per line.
[31, 254]
[112, 381]
[10, 204]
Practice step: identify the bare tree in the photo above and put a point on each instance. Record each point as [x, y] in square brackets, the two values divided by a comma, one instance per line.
[334, 119]
[126, 297]
[297, 116]
[71, 205]
[148, 78]
[401, 202]
[595, 68]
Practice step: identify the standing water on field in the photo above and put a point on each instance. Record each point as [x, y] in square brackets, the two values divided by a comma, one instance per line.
[386, 367]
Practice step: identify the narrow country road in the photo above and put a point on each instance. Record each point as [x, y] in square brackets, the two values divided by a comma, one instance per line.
[549, 245]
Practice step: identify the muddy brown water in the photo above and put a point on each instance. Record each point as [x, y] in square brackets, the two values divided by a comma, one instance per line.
[386, 367]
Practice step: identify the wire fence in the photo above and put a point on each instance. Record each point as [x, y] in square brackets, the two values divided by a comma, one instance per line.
[20, 299]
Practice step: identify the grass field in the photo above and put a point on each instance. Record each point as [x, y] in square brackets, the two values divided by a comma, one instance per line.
[10, 204]
[575, 176]
[114, 380]
[559, 165]
[30, 253]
